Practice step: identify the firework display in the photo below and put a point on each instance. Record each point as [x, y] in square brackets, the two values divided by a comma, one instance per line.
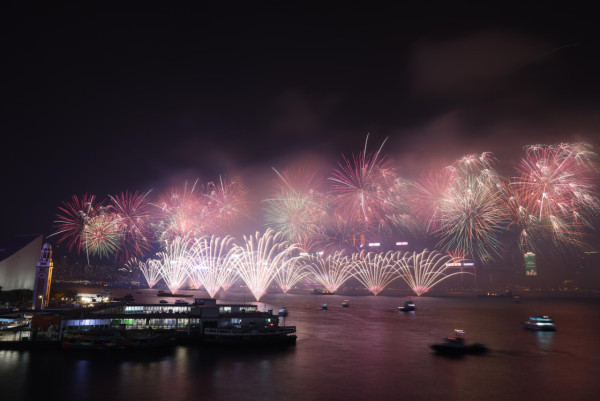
[330, 271]
[375, 270]
[466, 209]
[424, 270]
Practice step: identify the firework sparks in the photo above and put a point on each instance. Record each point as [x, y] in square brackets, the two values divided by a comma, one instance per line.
[260, 259]
[423, 271]
[210, 260]
[375, 270]
[72, 218]
[360, 184]
[330, 272]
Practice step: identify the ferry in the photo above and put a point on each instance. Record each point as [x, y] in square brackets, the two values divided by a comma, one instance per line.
[539, 323]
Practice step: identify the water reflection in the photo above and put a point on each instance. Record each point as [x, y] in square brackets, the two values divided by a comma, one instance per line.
[545, 340]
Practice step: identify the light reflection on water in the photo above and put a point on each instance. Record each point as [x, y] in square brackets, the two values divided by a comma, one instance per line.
[366, 351]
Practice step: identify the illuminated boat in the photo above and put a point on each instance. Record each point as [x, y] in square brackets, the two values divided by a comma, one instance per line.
[250, 327]
[409, 306]
[539, 323]
[324, 307]
[456, 346]
[346, 303]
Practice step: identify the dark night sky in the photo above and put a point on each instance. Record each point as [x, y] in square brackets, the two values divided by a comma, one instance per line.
[103, 101]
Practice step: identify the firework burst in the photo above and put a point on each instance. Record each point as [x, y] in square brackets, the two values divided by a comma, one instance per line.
[422, 271]
[330, 272]
[375, 270]
[260, 259]
[72, 218]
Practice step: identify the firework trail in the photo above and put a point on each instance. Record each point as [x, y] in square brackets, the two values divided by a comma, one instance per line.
[557, 191]
[291, 273]
[226, 201]
[102, 234]
[330, 272]
[150, 269]
[210, 260]
[72, 218]
[360, 185]
[297, 207]
[134, 212]
[430, 192]
[175, 262]
[180, 214]
[340, 234]
[260, 259]
[472, 217]
[375, 270]
[423, 271]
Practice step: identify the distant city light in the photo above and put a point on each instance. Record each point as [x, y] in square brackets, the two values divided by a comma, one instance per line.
[374, 244]
[401, 243]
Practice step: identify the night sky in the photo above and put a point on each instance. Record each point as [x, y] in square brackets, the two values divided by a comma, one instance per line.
[103, 101]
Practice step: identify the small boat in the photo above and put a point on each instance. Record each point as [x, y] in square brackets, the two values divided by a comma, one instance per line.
[539, 323]
[346, 303]
[181, 302]
[409, 306]
[163, 301]
[324, 307]
[283, 312]
[456, 346]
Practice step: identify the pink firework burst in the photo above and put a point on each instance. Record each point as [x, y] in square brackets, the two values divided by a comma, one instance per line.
[360, 185]
[72, 218]
[135, 213]
[226, 202]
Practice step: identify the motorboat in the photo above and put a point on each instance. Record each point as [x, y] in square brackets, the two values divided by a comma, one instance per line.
[456, 345]
[163, 301]
[346, 303]
[539, 323]
[409, 306]
[283, 312]
[324, 307]
[181, 302]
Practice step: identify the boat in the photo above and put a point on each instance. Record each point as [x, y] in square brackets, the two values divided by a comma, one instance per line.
[346, 303]
[118, 339]
[247, 327]
[495, 294]
[456, 346]
[171, 294]
[324, 307]
[283, 312]
[409, 306]
[163, 301]
[181, 302]
[539, 323]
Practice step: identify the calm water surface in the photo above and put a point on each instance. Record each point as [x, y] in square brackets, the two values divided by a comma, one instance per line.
[364, 352]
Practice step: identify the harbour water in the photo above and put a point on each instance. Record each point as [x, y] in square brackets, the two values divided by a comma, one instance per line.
[367, 351]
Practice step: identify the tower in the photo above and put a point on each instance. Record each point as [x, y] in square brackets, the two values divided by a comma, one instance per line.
[43, 277]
